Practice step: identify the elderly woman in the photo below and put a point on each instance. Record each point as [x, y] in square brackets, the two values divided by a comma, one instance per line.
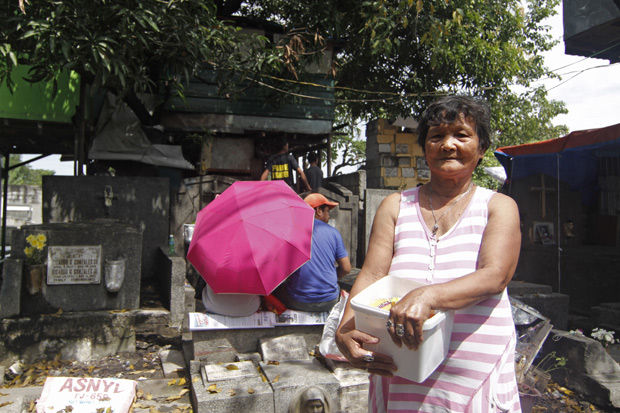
[463, 242]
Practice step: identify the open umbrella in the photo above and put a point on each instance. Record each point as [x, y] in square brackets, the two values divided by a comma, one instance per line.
[251, 237]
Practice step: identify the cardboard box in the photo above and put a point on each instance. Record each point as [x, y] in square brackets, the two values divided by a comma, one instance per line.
[413, 365]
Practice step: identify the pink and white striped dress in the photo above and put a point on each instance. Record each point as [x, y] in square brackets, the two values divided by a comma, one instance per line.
[478, 374]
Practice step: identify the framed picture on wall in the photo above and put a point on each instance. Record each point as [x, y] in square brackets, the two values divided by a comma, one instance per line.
[544, 233]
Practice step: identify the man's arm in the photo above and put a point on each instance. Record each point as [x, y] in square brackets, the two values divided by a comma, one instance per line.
[265, 174]
[344, 266]
[303, 178]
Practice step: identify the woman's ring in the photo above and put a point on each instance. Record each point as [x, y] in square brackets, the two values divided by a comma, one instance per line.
[400, 330]
[389, 324]
[368, 358]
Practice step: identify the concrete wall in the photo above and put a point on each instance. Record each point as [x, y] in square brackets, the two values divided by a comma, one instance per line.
[354, 182]
[581, 261]
[345, 217]
[23, 207]
[143, 202]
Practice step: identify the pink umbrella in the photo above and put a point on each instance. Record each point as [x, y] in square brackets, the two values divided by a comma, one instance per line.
[251, 237]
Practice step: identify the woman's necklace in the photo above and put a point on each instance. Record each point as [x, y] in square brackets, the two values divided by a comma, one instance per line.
[430, 201]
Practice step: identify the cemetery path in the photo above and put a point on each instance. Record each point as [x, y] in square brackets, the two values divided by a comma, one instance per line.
[155, 391]
[159, 391]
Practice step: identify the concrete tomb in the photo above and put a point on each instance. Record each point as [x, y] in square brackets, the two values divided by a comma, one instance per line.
[85, 267]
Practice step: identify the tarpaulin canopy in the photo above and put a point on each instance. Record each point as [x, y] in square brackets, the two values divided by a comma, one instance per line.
[573, 158]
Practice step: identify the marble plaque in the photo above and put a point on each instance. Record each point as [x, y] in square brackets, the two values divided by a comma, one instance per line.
[74, 265]
[230, 371]
[285, 348]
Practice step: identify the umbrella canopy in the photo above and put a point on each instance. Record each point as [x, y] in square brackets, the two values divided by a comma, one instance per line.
[251, 237]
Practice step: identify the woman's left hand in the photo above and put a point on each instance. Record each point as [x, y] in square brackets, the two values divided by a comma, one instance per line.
[407, 318]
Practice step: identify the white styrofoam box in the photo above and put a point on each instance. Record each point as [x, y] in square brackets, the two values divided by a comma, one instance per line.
[415, 365]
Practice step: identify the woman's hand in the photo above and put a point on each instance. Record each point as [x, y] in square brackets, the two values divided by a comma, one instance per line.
[407, 318]
[350, 342]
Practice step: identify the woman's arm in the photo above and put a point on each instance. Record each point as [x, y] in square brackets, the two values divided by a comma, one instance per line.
[497, 261]
[376, 266]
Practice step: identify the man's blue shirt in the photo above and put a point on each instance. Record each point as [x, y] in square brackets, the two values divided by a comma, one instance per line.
[317, 281]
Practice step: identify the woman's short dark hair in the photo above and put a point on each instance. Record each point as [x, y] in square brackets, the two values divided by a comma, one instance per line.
[449, 109]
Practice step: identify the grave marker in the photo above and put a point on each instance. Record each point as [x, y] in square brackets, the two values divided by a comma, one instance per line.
[284, 348]
[74, 265]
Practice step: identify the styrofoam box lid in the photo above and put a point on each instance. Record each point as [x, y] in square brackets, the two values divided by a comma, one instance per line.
[388, 287]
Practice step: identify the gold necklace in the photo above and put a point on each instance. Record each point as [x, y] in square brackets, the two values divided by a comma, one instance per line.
[430, 201]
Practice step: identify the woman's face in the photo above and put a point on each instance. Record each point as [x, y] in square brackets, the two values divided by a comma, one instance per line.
[453, 149]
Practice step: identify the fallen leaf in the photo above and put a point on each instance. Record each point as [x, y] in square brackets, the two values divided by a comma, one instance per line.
[99, 409]
[4, 394]
[232, 367]
[5, 404]
[32, 406]
[139, 393]
[251, 391]
[182, 381]
[213, 389]
[232, 392]
[172, 382]
[177, 397]
[69, 408]
[142, 406]
[145, 365]
[273, 363]
[154, 410]
[108, 410]
[276, 379]
[131, 367]
[148, 396]
[195, 379]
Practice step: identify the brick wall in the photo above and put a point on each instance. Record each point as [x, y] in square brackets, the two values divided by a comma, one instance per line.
[394, 160]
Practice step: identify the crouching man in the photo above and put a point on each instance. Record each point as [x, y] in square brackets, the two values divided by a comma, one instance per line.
[314, 286]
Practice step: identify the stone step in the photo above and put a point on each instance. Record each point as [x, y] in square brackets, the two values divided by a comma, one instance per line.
[542, 298]
[607, 316]
[516, 287]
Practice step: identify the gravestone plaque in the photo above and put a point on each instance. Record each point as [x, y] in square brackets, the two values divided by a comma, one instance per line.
[284, 348]
[229, 371]
[74, 265]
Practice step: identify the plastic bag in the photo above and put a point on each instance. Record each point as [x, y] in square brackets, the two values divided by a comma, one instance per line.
[327, 346]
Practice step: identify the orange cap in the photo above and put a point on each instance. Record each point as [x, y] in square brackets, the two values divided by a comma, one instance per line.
[316, 200]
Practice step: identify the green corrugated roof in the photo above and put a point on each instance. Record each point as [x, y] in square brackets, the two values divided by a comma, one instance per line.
[34, 101]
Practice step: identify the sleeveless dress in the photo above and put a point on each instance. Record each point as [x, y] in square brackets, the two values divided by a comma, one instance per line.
[478, 373]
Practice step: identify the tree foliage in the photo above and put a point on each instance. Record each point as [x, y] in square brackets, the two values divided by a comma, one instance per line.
[392, 57]
[131, 47]
[25, 174]
[395, 56]
[348, 145]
